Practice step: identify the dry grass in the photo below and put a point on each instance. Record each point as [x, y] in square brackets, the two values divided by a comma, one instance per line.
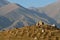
[31, 33]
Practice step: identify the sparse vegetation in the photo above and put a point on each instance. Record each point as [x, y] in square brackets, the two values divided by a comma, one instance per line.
[31, 33]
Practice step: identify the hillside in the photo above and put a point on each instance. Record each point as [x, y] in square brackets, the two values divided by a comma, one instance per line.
[19, 16]
[15, 15]
[3, 2]
[52, 10]
[44, 32]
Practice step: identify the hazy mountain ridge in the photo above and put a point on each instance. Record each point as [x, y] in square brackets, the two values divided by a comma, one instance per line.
[52, 10]
[20, 16]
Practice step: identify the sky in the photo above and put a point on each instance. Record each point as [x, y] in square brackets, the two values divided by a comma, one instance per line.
[33, 3]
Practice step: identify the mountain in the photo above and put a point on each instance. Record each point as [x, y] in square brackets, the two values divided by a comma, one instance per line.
[51, 10]
[19, 16]
[4, 22]
[54, 11]
[3, 2]
[44, 32]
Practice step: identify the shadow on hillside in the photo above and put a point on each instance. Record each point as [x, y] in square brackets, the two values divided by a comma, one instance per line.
[51, 20]
[45, 16]
[4, 22]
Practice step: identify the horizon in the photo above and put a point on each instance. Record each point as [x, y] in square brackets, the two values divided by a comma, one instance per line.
[33, 3]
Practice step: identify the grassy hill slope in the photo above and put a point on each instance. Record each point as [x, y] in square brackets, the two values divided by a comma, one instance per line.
[44, 32]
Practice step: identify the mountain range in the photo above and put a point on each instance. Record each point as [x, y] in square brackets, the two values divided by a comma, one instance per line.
[52, 10]
[15, 15]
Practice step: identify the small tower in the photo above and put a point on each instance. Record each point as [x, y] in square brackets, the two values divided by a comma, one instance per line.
[39, 23]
